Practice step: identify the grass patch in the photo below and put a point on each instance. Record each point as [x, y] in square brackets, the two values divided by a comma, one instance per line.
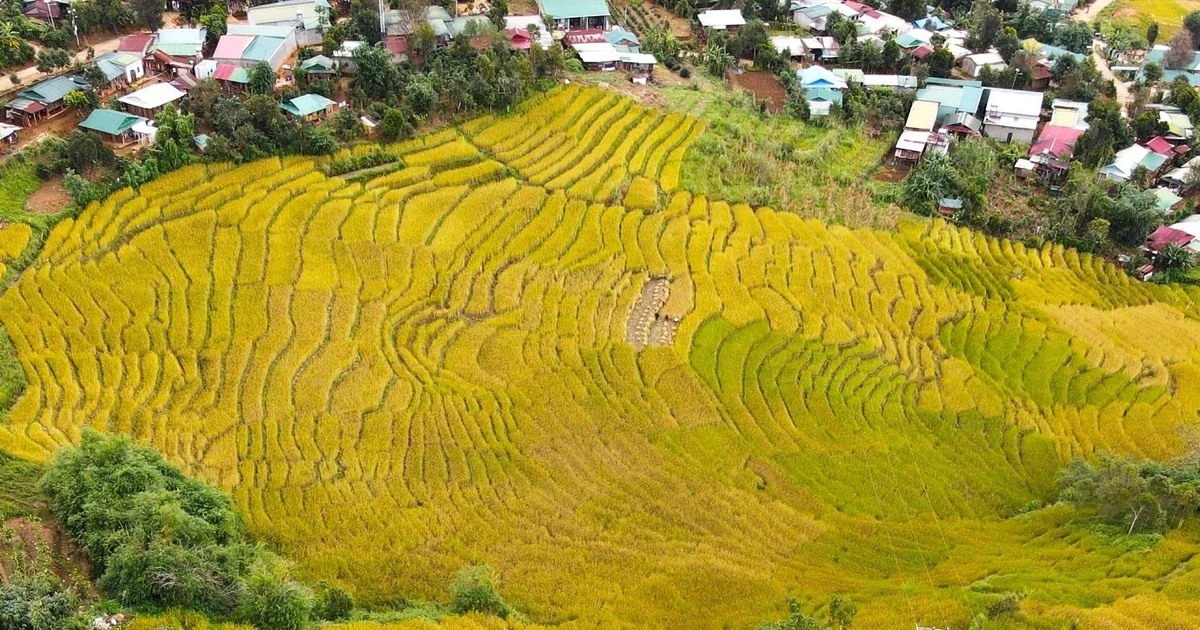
[816, 170]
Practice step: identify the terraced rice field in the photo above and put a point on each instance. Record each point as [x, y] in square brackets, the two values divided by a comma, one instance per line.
[401, 376]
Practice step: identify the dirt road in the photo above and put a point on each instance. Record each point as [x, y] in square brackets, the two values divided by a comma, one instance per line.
[31, 75]
[1088, 14]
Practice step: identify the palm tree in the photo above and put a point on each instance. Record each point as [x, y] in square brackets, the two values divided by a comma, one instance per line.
[1174, 257]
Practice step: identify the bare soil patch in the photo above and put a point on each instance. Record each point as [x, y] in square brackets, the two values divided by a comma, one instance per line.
[51, 198]
[764, 86]
[28, 538]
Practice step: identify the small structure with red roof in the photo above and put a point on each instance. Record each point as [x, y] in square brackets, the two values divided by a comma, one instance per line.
[1166, 235]
[1161, 146]
[136, 44]
[520, 38]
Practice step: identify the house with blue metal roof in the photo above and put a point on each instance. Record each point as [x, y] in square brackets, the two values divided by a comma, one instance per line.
[822, 89]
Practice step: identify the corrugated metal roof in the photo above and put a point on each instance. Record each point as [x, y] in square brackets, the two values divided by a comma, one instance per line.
[262, 48]
[110, 121]
[923, 115]
[306, 104]
[564, 9]
[232, 46]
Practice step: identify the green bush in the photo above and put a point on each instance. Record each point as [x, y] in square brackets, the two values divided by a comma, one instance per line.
[158, 538]
[333, 604]
[474, 590]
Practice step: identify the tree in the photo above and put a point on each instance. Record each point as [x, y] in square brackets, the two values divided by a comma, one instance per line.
[1152, 72]
[1191, 24]
[1151, 34]
[940, 62]
[890, 56]
[984, 25]
[174, 140]
[797, 619]
[215, 23]
[908, 9]
[1074, 36]
[395, 125]
[49, 59]
[749, 40]
[364, 18]
[77, 100]
[86, 151]
[1007, 44]
[1131, 216]
[496, 13]
[841, 613]
[1147, 125]
[148, 14]
[262, 78]
[1107, 131]
[377, 76]
[1179, 49]
[933, 178]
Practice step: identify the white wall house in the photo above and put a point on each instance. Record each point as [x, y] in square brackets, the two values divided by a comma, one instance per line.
[1012, 115]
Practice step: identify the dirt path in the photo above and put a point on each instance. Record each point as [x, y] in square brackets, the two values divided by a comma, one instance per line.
[1123, 95]
[1091, 11]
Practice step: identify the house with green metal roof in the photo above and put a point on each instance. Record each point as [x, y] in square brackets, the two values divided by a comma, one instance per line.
[952, 99]
[42, 100]
[571, 15]
[319, 65]
[120, 68]
[112, 125]
[308, 107]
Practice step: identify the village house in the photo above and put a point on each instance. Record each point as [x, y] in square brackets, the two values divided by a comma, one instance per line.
[822, 49]
[1128, 160]
[309, 107]
[1179, 126]
[722, 19]
[113, 126]
[42, 100]
[306, 17]
[953, 97]
[45, 10]
[814, 18]
[176, 50]
[8, 133]
[246, 46]
[529, 24]
[136, 44]
[1012, 115]
[822, 89]
[570, 15]
[120, 69]
[918, 132]
[150, 100]
[319, 65]
[974, 64]
[788, 45]
[1050, 155]
[232, 79]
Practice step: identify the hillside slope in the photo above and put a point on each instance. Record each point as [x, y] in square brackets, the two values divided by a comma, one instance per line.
[476, 357]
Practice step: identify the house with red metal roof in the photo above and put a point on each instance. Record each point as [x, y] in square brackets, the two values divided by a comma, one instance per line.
[1166, 235]
[136, 44]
